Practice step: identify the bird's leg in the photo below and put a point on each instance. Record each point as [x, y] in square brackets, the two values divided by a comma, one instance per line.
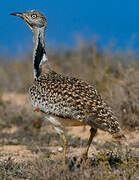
[83, 159]
[61, 133]
[92, 134]
[64, 145]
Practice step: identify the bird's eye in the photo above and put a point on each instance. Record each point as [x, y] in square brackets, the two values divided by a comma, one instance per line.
[33, 16]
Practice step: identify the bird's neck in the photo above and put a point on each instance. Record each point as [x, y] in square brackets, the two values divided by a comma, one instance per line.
[40, 59]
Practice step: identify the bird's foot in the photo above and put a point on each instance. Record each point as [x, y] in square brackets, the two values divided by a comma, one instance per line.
[79, 162]
[84, 161]
[84, 156]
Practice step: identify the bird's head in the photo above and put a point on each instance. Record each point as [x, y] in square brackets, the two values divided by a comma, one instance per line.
[33, 18]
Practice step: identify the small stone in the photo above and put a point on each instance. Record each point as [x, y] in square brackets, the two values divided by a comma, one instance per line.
[95, 140]
[60, 149]
[73, 137]
[53, 152]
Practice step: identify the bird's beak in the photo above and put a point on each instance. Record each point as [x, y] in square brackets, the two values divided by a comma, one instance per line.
[23, 16]
[17, 14]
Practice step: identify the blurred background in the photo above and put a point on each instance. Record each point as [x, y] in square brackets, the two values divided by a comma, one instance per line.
[111, 23]
[94, 40]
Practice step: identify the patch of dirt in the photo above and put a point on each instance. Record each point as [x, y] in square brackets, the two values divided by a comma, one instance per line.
[16, 98]
[17, 152]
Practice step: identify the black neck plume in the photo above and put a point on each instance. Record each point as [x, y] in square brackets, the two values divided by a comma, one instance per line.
[40, 59]
[40, 51]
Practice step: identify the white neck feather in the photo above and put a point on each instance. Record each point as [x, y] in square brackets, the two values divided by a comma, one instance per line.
[39, 52]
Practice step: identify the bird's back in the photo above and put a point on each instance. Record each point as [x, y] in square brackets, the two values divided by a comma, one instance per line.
[71, 98]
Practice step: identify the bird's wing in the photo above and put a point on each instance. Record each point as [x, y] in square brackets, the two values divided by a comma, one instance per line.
[73, 98]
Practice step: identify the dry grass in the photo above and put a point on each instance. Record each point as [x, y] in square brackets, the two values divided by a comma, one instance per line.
[100, 167]
[30, 151]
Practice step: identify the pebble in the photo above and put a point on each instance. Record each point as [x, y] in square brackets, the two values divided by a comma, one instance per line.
[60, 149]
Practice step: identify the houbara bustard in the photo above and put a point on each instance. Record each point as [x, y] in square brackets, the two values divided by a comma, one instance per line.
[66, 101]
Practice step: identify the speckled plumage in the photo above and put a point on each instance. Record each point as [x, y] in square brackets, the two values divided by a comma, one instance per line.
[71, 98]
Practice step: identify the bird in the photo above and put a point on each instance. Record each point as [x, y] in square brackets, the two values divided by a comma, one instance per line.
[66, 101]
